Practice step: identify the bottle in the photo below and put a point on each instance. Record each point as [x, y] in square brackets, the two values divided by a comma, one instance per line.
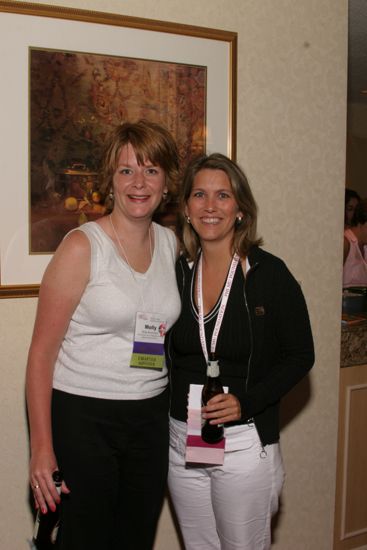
[46, 525]
[213, 386]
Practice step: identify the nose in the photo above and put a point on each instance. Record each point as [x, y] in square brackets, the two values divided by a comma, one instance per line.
[209, 204]
[139, 180]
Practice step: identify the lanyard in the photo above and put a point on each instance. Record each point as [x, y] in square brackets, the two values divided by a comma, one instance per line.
[222, 307]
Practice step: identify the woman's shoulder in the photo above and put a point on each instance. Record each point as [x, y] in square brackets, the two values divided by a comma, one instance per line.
[166, 236]
[271, 269]
[80, 233]
[163, 230]
[74, 250]
[258, 255]
[77, 237]
[350, 236]
[89, 238]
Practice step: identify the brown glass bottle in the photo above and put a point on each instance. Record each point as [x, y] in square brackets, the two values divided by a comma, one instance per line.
[213, 386]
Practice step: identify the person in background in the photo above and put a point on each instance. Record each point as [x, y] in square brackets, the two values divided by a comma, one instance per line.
[262, 339]
[355, 248]
[96, 377]
[351, 200]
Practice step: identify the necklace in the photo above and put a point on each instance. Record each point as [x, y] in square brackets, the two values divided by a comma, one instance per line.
[123, 249]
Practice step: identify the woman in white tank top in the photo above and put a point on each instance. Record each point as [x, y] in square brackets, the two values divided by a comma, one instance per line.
[96, 376]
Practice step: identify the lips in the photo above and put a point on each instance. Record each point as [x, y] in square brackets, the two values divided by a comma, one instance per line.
[139, 198]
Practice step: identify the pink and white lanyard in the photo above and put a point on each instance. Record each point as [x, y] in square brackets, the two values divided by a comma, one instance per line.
[222, 307]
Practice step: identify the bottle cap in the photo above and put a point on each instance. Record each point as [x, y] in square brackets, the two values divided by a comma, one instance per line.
[57, 476]
[213, 369]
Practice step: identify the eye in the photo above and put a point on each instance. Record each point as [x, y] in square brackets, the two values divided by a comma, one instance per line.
[125, 171]
[197, 194]
[224, 195]
[152, 171]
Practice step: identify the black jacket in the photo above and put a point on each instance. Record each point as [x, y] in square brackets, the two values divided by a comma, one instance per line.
[281, 340]
[282, 344]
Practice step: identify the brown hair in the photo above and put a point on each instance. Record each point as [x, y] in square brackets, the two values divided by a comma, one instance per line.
[150, 141]
[245, 232]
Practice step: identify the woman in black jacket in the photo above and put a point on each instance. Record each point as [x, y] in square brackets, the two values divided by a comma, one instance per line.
[243, 308]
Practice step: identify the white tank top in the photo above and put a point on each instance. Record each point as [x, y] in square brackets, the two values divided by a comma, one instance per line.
[355, 267]
[94, 358]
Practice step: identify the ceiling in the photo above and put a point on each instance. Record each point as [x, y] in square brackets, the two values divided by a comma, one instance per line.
[357, 51]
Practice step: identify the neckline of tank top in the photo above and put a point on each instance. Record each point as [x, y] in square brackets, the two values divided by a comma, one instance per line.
[137, 274]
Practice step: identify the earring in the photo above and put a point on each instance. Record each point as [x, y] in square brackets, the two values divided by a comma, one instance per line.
[165, 194]
[110, 201]
[188, 219]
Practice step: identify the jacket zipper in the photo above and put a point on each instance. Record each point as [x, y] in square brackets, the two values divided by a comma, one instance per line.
[250, 326]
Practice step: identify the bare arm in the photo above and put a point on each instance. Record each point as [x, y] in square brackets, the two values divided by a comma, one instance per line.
[62, 287]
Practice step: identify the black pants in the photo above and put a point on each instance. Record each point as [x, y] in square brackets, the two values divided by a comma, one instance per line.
[114, 458]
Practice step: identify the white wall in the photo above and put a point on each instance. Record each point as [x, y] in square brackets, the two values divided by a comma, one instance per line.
[291, 142]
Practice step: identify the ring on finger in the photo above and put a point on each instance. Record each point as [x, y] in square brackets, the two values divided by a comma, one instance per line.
[36, 486]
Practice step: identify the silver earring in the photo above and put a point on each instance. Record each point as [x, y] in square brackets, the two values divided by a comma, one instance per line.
[111, 196]
[239, 219]
[165, 194]
[188, 219]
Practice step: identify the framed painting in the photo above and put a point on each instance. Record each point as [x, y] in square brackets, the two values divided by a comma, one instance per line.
[71, 77]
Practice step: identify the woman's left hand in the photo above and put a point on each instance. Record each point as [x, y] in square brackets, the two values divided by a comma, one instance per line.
[222, 408]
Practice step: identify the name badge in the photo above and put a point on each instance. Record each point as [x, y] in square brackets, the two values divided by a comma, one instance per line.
[148, 349]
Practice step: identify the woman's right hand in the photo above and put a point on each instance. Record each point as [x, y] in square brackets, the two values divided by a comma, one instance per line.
[42, 466]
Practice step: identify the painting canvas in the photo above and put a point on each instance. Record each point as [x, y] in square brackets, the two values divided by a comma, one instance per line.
[75, 100]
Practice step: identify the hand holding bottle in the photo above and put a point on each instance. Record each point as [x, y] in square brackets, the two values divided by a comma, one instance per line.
[222, 408]
[213, 386]
[43, 464]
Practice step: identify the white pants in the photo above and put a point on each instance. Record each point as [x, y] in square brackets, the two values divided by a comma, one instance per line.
[226, 507]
